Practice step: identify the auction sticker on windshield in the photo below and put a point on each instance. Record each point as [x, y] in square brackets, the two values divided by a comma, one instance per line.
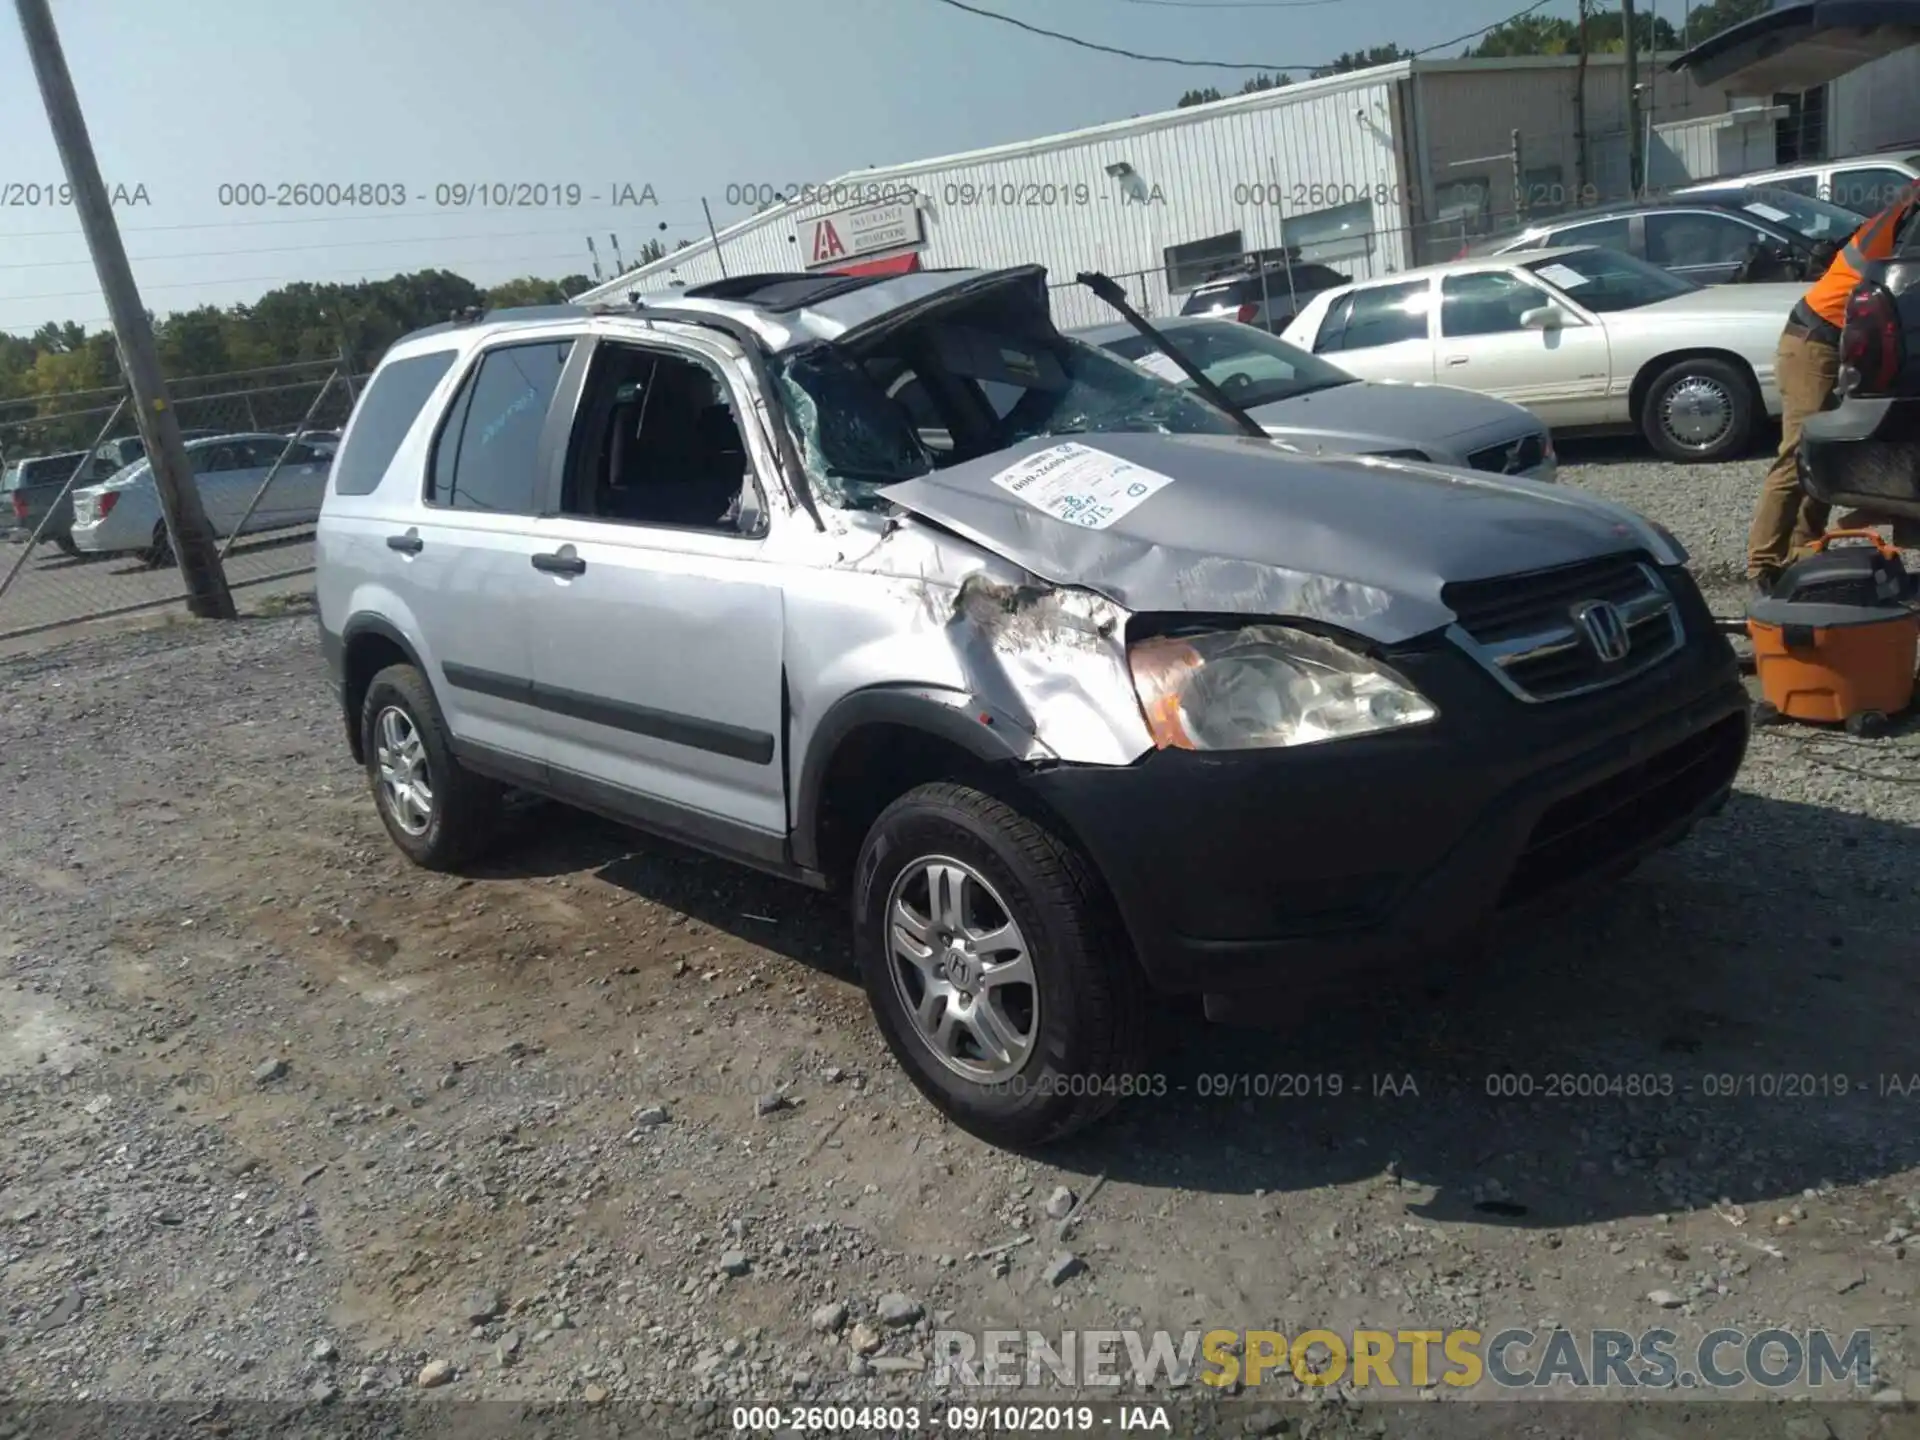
[1161, 367]
[1561, 275]
[1080, 485]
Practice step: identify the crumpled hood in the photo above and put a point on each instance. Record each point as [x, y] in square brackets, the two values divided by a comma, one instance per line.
[1236, 525]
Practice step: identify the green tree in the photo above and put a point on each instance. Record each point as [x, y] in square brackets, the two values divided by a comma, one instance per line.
[651, 251]
[1551, 35]
[1709, 20]
[1258, 83]
[1363, 59]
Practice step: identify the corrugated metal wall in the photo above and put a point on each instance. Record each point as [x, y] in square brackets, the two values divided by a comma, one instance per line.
[1214, 170]
[1471, 113]
[1877, 105]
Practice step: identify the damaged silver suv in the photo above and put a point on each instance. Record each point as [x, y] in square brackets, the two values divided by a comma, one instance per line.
[1077, 685]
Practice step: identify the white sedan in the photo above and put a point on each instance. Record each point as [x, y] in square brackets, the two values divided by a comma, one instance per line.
[1588, 339]
[121, 514]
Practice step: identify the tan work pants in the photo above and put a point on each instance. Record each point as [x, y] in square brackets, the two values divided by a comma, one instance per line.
[1786, 518]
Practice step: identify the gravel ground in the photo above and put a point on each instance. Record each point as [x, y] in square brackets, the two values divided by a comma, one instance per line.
[608, 1122]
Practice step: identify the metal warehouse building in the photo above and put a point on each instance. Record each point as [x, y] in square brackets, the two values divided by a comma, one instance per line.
[1370, 171]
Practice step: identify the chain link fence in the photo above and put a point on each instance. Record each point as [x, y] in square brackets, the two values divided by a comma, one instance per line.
[85, 530]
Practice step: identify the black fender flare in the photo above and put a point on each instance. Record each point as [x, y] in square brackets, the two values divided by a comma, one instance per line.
[964, 720]
[357, 626]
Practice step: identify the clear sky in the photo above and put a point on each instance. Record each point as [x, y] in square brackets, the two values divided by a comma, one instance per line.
[691, 97]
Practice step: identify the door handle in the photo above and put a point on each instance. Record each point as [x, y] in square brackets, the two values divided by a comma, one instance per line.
[1456, 359]
[408, 544]
[560, 564]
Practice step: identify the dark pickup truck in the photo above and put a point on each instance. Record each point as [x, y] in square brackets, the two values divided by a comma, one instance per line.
[1864, 451]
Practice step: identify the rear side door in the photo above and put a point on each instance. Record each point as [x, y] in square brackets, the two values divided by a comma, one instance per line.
[299, 484]
[658, 635]
[1868, 189]
[464, 554]
[1381, 332]
[221, 471]
[1559, 374]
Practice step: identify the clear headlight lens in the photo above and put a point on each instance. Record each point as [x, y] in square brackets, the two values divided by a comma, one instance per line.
[1266, 686]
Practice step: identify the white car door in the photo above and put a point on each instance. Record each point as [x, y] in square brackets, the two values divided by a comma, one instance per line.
[298, 486]
[1381, 332]
[1558, 372]
[221, 471]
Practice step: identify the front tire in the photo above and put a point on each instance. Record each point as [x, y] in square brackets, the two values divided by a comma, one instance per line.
[996, 968]
[440, 814]
[1700, 410]
[64, 544]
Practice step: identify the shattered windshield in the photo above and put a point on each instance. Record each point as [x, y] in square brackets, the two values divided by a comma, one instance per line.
[854, 440]
[1094, 392]
[866, 424]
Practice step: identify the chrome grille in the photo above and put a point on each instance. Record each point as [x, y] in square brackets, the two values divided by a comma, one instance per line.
[1526, 629]
[1510, 457]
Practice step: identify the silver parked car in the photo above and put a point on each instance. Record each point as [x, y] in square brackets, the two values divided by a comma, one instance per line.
[122, 513]
[1113, 697]
[1312, 405]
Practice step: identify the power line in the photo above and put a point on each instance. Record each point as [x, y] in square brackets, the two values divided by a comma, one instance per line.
[1232, 4]
[1264, 66]
[283, 249]
[285, 279]
[460, 212]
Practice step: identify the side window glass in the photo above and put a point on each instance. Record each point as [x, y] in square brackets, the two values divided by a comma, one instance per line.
[486, 456]
[1485, 304]
[1613, 234]
[384, 416]
[1387, 315]
[1333, 326]
[657, 442]
[1682, 240]
[1868, 188]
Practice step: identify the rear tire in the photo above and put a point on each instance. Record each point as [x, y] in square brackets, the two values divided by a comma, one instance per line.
[64, 544]
[1055, 1050]
[440, 814]
[1700, 410]
[159, 551]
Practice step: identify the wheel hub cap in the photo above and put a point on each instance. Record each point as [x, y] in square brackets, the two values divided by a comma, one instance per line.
[401, 757]
[1697, 412]
[962, 970]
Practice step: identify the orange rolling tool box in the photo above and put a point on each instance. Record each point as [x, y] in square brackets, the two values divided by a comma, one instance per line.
[1838, 639]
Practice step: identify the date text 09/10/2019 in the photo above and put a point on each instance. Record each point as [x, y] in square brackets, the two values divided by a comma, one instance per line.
[444, 195]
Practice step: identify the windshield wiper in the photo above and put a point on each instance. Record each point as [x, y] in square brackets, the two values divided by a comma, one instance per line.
[1108, 291]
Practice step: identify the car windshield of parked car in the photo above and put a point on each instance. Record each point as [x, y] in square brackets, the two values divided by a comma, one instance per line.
[1251, 366]
[1606, 281]
[1813, 219]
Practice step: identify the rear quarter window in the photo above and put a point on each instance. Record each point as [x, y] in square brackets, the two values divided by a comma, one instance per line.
[384, 416]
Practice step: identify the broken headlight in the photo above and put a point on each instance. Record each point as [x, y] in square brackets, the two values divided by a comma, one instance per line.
[1266, 686]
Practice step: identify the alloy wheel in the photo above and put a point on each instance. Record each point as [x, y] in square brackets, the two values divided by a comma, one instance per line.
[405, 786]
[962, 969]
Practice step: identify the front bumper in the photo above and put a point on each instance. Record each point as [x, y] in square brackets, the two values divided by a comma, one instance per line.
[1865, 452]
[1260, 871]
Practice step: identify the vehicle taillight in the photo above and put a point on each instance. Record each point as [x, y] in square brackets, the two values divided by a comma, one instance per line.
[1871, 349]
[19, 507]
[105, 501]
[1246, 313]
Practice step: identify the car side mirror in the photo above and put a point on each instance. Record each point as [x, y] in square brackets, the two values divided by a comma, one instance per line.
[1542, 317]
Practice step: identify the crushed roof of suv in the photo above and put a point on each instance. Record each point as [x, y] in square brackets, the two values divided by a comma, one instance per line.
[783, 311]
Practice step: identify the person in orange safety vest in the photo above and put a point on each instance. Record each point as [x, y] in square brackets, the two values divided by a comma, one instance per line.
[1787, 519]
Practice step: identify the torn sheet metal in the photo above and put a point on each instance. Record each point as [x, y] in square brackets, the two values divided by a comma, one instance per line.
[1251, 530]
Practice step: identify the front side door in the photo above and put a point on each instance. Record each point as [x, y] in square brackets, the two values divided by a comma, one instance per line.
[298, 486]
[1559, 373]
[221, 470]
[1703, 246]
[463, 558]
[1381, 332]
[658, 632]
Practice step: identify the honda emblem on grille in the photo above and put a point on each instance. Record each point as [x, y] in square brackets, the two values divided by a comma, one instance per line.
[1605, 628]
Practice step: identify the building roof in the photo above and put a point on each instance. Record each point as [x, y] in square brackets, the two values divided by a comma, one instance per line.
[878, 177]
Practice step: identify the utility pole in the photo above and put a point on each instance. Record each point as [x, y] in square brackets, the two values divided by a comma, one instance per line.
[184, 515]
[1634, 159]
[1580, 112]
[714, 235]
